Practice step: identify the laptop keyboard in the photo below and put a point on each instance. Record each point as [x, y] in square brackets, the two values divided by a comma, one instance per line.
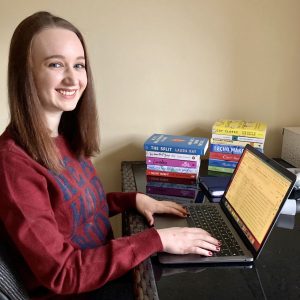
[208, 218]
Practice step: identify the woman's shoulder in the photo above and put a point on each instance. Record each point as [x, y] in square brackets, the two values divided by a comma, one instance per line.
[9, 145]
[11, 153]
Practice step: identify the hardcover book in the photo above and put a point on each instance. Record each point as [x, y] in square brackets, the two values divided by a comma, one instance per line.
[240, 128]
[177, 144]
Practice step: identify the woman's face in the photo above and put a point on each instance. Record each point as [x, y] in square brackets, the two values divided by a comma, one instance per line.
[58, 66]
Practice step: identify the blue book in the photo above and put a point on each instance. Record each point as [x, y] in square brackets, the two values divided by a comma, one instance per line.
[222, 163]
[177, 144]
[228, 149]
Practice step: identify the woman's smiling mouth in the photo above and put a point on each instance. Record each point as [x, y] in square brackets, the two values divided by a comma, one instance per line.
[66, 92]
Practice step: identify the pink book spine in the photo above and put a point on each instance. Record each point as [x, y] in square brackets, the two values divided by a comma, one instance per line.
[171, 162]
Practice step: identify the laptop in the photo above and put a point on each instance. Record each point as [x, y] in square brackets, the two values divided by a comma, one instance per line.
[249, 209]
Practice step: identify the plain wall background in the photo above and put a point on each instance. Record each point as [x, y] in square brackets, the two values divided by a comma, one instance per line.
[176, 66]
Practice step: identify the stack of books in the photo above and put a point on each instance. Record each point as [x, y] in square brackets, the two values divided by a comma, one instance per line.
[174, 156]
[180, 192]
[229, 138]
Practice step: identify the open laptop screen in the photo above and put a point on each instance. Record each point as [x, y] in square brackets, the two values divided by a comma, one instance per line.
[255, 196]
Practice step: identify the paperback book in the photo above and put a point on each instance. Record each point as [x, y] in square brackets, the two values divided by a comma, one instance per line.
[177, 144]
[222, 163]
[240, 128]
[172, 162]
[237, 138]
[170, 155]
[225, 156]
[171, 185]
[173, 169]
[172, 180]
[171, 174]
[228, 149]
[220, 169]
[236, 143]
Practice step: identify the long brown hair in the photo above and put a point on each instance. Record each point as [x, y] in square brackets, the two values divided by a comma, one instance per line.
[27, 124]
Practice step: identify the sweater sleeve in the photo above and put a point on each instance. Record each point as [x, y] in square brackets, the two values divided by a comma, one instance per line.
[26, 212]
[119, 202]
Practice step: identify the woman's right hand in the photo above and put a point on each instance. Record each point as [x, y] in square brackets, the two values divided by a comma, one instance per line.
[186, 240]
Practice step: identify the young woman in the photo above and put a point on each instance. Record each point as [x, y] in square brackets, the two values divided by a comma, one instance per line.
[53, 209]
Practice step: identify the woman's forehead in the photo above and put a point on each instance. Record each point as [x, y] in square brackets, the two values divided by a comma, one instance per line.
[57, 42]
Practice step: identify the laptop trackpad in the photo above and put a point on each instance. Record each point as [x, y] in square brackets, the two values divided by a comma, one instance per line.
[166, 221]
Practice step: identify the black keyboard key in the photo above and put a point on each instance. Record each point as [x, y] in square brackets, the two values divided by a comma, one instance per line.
[209, 219]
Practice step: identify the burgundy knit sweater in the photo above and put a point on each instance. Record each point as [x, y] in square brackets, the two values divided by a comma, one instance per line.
[59, 224]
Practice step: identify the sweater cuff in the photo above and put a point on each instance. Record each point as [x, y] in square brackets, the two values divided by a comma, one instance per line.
[131, 199]
[149, 237]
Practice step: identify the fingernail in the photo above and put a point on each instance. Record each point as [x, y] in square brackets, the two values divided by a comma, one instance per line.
[219, 243]
[218, 248]
[210, 253]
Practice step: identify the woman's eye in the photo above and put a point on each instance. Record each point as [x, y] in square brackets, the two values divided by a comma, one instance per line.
[55, 65]
[80, 66]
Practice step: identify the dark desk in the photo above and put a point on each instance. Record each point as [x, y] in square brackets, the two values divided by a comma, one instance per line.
[275, 275]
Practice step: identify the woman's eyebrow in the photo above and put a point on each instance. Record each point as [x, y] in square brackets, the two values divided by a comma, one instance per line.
[61, 57]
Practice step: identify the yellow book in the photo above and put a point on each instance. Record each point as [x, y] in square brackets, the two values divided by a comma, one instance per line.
[240, 128]
[236, 143]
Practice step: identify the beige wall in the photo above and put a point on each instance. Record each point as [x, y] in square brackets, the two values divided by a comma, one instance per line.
[175, 66]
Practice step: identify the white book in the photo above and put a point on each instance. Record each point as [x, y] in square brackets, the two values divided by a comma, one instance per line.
[171, 155]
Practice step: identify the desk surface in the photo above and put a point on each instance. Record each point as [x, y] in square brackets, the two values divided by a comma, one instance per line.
[275, 275]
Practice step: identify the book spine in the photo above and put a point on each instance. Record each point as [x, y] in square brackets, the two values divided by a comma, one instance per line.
[225, 156]
[176, 144]
[171, 185]
[171, 162]
[222, 163]
[176, 149]
[240, 130]
[171, 174]
[237, 138]
[236, 143]
[170, 155]
[173, 169]
[172, 180]
[171, 192]
[220, 169]
[228, 149]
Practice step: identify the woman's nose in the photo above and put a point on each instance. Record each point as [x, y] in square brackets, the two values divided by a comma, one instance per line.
[70, 76]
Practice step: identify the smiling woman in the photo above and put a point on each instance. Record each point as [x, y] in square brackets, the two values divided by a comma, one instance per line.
[26, 67]
[53, 209]
[58, 67]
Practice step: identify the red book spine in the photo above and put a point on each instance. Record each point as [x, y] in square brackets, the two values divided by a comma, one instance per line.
[171, 174]
[225, 156]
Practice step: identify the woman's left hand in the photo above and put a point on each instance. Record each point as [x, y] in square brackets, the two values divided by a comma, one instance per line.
[148, 206]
